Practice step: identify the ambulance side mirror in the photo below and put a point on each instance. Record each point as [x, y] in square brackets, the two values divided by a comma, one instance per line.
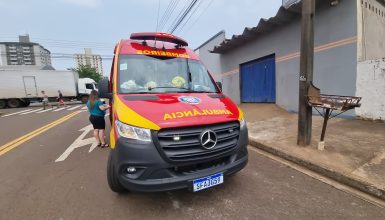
[219, 85]
[103, 89]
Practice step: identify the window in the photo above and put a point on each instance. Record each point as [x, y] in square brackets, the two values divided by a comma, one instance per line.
[89, 86]
[152, 74]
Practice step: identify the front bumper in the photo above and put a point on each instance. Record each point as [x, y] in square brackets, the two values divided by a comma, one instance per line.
[154, 173]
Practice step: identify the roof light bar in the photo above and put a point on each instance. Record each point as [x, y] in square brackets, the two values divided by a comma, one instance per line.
[159, 36]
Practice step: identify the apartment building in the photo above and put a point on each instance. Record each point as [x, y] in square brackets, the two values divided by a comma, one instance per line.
[89, 59]
[24, 53]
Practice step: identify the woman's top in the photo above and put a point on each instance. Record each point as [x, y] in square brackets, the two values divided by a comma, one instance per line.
[95, 111]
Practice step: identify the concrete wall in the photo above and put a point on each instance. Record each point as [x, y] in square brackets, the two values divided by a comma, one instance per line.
[371, 87]
[3, 55]
[210, 60]
[371, 59]
[371, 26]
[335, 57]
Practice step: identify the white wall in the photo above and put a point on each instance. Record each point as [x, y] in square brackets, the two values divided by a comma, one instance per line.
[371, 87]
[3, 56]
[371, 59]
[210, 60]
[371, 24]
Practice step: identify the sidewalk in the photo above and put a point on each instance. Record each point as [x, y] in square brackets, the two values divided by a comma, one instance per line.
[354, 149]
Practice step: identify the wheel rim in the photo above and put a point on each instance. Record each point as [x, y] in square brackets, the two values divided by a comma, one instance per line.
[13, 103]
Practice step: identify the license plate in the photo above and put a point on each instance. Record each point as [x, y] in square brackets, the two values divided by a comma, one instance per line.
[207, 182]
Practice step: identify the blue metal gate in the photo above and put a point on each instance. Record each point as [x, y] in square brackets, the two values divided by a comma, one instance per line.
[258, 80]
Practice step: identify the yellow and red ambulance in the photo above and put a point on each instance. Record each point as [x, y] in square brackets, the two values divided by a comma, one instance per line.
[171, 126]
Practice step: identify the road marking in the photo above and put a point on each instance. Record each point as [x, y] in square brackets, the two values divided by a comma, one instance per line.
[345, 188]
[84, 108]
[59, 109]
[49, 109]
[79, 142]
[75, 107]
[18, 141]
[31, 111]
[15, 113]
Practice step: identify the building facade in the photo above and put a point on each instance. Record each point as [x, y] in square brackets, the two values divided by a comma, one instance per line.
[24, 53]
[262, 63]
[89, 59]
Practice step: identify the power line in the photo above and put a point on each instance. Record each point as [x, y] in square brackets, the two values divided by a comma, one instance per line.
[198, 17]
[166, 11]
[189, 17]
[167, 14]
[184, 8]
[157, 19]
[67, 42]
[61, 55]
[184, 15]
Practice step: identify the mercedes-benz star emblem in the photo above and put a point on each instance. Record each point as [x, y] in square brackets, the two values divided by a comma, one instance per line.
[208, 139]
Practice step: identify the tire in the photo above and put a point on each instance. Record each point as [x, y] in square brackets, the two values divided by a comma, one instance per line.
[112, 177]
[84, 99]
[14, 103]
[3, 104]
[26, 102]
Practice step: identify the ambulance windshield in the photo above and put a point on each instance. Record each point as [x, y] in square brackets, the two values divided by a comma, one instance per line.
[149, 74]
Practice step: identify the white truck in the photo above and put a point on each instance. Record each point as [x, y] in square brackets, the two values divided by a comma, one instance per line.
[19, 88]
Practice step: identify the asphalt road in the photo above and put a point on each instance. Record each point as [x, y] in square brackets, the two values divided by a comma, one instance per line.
[34, 186]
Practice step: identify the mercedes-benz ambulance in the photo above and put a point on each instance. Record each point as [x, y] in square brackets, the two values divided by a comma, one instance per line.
[171, 126]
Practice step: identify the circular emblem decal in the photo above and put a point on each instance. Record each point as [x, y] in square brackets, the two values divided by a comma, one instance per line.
[208, 139]
[189, 99]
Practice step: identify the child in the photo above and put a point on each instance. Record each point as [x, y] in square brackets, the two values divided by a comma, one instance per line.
[45, 99]
[60, 99]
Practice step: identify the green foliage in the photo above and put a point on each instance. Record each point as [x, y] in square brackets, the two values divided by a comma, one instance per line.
[86, 71]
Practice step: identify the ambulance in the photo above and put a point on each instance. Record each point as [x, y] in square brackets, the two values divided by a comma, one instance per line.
[171, 126]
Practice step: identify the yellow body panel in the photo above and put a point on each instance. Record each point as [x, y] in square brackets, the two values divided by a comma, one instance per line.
[130, 117]
[240, 114]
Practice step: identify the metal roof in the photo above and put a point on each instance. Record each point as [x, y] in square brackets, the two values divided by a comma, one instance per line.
[283, 17]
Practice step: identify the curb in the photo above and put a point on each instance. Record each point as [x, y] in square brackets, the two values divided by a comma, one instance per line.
[341, 177]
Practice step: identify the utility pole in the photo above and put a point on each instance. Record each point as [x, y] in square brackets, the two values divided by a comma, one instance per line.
[306, 72]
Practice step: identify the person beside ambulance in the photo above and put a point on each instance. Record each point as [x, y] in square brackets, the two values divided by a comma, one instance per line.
[97, 111]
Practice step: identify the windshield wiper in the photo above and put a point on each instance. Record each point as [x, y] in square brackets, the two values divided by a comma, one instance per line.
[166, 87]
[189, 75]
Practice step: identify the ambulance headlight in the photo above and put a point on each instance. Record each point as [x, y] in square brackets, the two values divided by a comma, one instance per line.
[242, 123]
[132, 132]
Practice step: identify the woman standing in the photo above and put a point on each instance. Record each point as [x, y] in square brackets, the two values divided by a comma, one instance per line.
[97, 111]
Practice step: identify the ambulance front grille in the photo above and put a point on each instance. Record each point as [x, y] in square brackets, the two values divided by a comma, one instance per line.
[189, 148]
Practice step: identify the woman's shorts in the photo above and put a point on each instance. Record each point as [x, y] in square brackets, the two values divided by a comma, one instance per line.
[98, 122]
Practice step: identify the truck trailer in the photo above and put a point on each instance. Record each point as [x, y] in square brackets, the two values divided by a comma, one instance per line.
[18, 88]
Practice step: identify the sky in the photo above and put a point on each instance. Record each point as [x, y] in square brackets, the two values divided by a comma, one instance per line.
[68, 26]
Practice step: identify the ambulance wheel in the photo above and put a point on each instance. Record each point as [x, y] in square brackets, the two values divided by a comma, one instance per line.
[112, 176]
[3, 104]
[14, 103]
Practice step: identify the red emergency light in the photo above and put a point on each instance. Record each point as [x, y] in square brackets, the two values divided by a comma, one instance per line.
[159, 36]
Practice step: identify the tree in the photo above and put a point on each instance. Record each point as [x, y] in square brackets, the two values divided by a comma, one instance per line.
[86, 71]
